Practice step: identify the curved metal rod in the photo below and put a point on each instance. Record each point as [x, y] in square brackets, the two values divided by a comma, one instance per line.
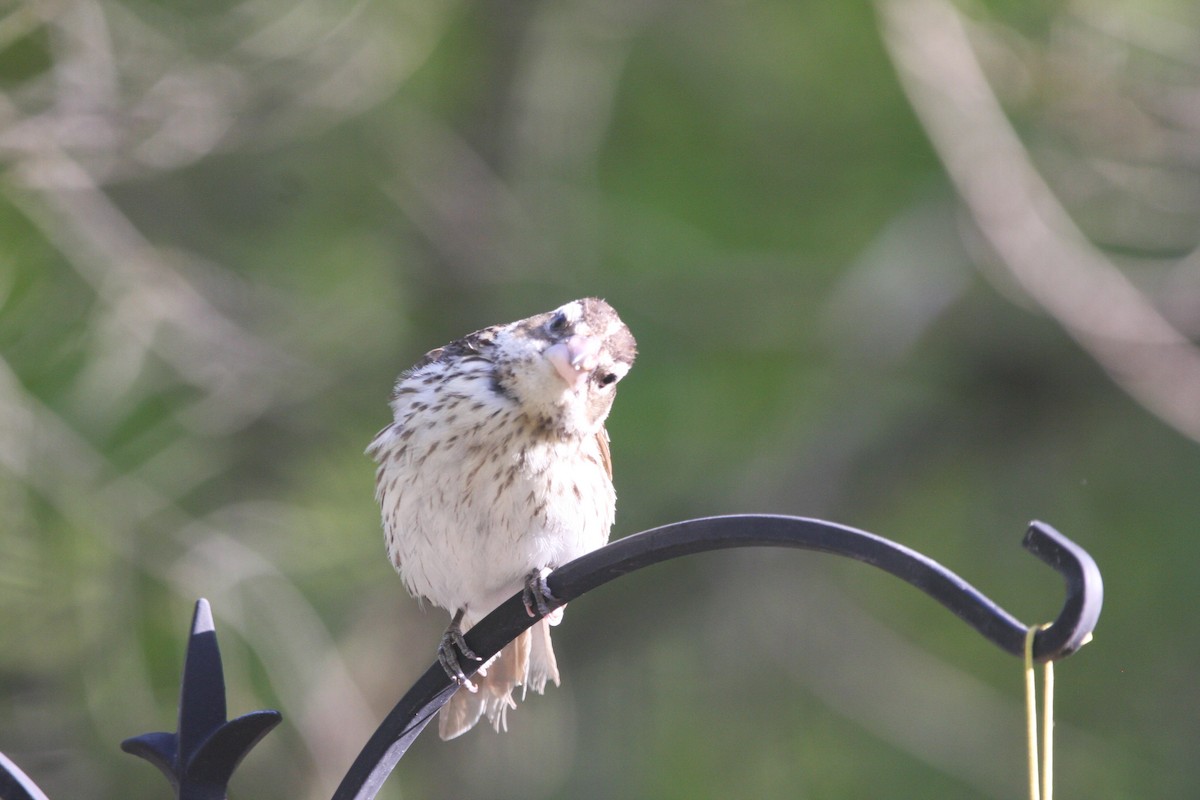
[1064, 636]
[15, 784]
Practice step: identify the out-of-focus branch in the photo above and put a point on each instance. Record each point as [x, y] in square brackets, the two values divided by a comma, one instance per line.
[511, 187]
[122, 98]
[1030, 230]
[82, 488]
[241, 375]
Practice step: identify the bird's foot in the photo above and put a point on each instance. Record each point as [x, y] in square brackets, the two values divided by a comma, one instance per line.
[537, 596]
[450, 648]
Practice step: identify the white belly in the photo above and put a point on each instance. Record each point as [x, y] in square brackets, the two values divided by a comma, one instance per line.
[465, 521]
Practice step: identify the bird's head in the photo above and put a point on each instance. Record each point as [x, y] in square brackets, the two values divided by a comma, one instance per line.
[563, 366]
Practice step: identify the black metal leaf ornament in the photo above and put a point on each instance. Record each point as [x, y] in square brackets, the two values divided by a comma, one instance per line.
[200, 758]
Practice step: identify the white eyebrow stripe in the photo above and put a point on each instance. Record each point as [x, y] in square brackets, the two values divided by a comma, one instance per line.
[572, 310]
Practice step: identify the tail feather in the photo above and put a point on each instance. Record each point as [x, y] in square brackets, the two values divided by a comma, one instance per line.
[527, 661]
[542, 664]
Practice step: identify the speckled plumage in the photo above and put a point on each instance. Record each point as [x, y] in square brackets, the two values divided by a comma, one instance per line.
[497, 464]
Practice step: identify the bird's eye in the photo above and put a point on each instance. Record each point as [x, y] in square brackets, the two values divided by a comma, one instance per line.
[557, 323]
[608, 379]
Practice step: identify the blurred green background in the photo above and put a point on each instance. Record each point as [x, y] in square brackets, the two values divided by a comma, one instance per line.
[928, 270]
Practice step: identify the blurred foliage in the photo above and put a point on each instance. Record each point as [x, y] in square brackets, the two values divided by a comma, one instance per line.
[225, 227]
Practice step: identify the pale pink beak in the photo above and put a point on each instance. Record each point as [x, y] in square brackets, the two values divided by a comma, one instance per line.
[574, 358]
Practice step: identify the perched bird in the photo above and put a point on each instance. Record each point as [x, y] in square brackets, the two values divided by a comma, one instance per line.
[495, 471]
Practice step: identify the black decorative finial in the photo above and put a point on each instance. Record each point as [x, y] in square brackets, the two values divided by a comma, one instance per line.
[201, 757]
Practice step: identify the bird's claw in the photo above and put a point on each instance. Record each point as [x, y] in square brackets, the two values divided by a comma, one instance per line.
[537, 596]
[449, 649]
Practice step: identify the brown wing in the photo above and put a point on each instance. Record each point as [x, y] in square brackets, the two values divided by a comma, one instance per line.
[605, 456]
[478, 343]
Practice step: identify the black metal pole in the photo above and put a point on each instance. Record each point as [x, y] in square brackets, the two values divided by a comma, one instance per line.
[1066, 634]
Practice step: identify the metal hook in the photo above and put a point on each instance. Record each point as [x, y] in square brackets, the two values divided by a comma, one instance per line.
[1064, 636]
[1085, 595]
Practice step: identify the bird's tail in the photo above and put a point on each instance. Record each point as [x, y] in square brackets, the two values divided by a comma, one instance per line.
[527, 661]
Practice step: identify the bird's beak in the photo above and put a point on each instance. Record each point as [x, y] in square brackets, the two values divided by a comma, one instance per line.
[574, 358]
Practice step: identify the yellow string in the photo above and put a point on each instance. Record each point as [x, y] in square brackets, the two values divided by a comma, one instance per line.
[1047, 765]
[1048, 730]
[1031, 734]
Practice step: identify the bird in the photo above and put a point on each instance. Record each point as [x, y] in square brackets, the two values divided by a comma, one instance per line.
[495, 470]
